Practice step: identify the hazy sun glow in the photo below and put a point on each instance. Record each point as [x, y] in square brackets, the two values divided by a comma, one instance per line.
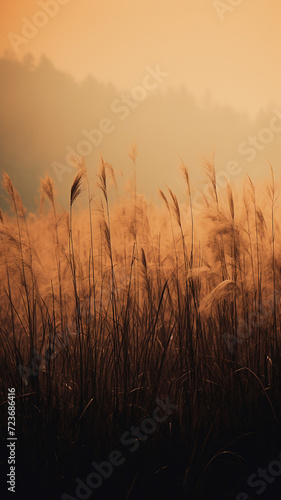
[77, 78]
[237, 58]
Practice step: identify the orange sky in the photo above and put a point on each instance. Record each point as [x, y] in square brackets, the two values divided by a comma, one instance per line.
[237, 58]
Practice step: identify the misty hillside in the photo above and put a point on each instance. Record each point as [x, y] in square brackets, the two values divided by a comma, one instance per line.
[44, 111]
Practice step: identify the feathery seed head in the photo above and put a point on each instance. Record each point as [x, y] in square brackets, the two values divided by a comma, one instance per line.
[77, 186]
[47, 186]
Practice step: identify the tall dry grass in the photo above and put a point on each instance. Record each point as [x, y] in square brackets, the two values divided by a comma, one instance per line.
[104, 310]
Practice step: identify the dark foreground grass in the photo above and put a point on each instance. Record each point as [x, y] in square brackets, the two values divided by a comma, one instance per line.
[102, 322]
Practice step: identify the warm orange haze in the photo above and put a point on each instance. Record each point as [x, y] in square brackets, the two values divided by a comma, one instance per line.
[140, 245]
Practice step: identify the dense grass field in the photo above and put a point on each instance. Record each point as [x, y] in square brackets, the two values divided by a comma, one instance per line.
[145, 337]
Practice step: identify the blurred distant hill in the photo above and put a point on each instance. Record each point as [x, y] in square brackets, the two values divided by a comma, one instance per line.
[44, 110]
